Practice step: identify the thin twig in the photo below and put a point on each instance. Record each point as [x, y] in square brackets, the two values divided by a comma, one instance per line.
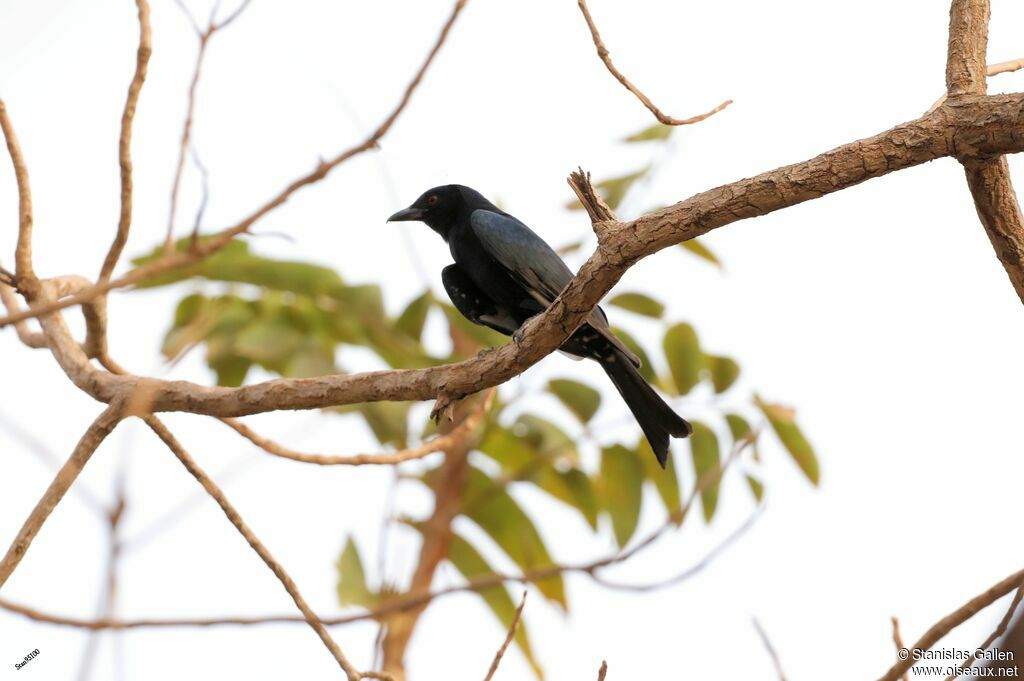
[763, 635]
[91, 439]
[999, 631]
[690, 571]
[437, 444]
[897, 639]
[23, 253]
[955, 619]
[204, 184]
[232, 514]
[215, 243]
[204, 38]
[108, 599]
[399, 603]
[602, 52]
[124, 153]
[603, 671]
[508, 639]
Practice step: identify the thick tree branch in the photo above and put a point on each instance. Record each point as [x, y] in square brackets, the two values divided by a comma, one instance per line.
[955, 619]
[1000, 214]
[214, 491]
[97, 432]
[968, 127]
[987, 178]
[124, 151]
[968, 43]
[602, 52]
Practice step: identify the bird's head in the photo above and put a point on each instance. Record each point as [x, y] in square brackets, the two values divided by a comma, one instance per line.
[441, 206]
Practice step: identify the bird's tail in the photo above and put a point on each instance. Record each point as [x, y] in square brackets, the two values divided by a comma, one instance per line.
[656, 418]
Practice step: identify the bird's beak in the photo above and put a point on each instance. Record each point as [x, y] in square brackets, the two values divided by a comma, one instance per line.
[406, 215]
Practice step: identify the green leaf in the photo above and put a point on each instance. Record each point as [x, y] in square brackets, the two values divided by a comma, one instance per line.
[520, 459]
[570, 247]
[312, 360]
[653, 133]
[389, 421]
[470, 564]
[756, 487]
[706, 457]
[352, 589]
[724, 371]
[782, 420]
[582, 400]
[234, 263]
[489, 505]
[738, 426]
[414, 316]
[684, 356]
[513, 453]
[639, 303]
[665, 481]
[550, 441]
[268, 340]
[614, 189]
[622, 479]
[698, 248]
[231, 370]
[646, 368]
[581, 494]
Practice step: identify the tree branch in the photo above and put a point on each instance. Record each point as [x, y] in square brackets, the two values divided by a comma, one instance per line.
[508, 639]
[968, 127]
[96, 433]
[414, 599]
[953, 620]
[23, 253]
[186, 133]
[1000, 214]
[214, 491]
[215, 243]
[124, 152]
[602, 52]
[988, 178]
[999, 631]
[968, 42]
[440, 443]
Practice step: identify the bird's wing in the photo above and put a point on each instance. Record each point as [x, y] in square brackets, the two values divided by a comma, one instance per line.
[534, 265]
[473, 304]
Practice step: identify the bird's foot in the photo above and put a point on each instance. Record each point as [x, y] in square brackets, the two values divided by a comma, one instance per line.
[444, 408]
[484, 352]
[517, 335]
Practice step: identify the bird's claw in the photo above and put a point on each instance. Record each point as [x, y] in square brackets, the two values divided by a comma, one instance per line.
[484, 352]
[517, 336]
[444, 408]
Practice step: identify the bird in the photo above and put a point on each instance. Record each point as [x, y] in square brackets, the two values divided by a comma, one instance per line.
[504, 274]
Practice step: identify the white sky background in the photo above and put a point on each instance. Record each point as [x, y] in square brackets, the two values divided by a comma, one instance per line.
[880, 312]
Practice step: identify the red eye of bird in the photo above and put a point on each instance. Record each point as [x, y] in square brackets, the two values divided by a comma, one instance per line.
[431, 200]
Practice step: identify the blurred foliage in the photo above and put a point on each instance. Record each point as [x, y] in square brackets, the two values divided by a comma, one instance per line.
[298, 319]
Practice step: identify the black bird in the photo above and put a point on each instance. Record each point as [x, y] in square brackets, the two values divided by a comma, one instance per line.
[504, 274]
